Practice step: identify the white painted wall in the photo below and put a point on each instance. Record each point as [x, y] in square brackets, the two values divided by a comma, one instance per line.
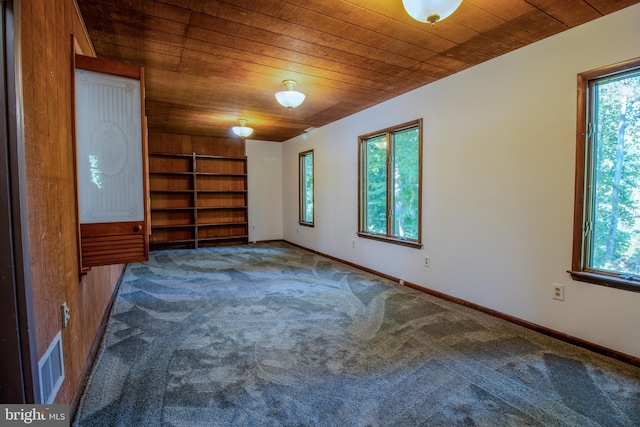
[499, 142]
[264, 182]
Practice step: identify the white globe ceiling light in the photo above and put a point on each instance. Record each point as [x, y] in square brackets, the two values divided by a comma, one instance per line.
[290, 98]
[242, 131]
[430, 11]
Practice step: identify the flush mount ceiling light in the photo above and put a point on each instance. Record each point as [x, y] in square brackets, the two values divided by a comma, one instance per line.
[290, 98]
[242, 131]
[430, 11]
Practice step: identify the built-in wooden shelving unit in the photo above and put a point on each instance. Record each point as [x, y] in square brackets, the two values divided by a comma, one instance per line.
[197, 200]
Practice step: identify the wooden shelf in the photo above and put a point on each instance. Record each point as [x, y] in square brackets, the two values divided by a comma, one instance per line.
[223, 238]
[222, 191]
[165, 226]
[173, 241]
[176, 155]
[207, 156]
[173, 244]
[220, 174]
[171, 173]
[219, 207]
[196, 199]
[189, 208]
[221, 224]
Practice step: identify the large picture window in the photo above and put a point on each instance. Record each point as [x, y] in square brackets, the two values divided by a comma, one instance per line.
[306, 188]
[390, 175]
[606, 246]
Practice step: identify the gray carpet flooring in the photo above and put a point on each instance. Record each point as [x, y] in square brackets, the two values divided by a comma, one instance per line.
[272, 335]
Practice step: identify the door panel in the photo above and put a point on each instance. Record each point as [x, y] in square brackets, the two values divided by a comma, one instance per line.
[110, 162]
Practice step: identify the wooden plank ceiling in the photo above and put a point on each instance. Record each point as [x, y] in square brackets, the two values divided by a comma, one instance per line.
[209, 63]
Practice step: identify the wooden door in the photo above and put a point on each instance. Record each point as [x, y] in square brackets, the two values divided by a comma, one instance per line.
[111, 166]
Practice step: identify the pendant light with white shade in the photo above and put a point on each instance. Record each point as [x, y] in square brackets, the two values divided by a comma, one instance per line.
[290, 98]
[242, 131]
[430, 11]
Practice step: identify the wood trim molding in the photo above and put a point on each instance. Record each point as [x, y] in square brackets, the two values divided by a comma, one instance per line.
[76, 50]
[107, 66]
[19, 206]
[301, 156]
[596, 348]
[388, 236]
[84, 30]
[584, 159]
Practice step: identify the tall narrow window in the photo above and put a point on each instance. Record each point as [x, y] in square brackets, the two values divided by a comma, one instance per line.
[306, 188]
[390, 164]
[606, 247]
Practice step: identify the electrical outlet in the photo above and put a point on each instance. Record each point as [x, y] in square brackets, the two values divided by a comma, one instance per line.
[558, 291]
[66, 314]
[427, 261]
[353, 243]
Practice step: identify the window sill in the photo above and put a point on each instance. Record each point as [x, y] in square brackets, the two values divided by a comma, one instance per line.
[605, 280]
[395, 241]
[306, 224]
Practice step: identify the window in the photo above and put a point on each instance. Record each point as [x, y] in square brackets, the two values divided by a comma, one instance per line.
[606, 233]
[306, 188]
[390, 202]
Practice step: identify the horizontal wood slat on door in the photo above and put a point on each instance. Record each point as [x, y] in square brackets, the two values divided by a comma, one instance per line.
[104, 244]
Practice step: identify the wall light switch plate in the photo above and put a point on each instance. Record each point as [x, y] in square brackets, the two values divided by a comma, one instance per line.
[66, 314]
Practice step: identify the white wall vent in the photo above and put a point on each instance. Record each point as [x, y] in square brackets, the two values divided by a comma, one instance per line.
[51, 368]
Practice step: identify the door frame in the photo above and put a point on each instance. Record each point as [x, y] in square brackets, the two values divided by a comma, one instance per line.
[19, 379]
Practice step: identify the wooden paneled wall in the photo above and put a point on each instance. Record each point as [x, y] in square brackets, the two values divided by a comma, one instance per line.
[160, 142]
[46, 51]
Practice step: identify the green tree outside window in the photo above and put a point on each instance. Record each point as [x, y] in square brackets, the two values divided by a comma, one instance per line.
[306, 187]
[615, 177]
[390, 184]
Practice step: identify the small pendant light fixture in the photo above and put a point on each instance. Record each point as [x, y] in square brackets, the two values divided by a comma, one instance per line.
[430, 11]
[242, 131]
[290, 98]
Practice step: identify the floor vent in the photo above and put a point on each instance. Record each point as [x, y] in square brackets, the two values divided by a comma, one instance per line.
[51, 368]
